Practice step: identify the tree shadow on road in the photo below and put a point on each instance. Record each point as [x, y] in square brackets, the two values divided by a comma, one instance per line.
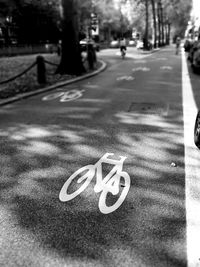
[37, 158]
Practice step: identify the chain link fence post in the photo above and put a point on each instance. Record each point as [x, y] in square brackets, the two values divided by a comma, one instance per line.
[91, 56]
[41, 70]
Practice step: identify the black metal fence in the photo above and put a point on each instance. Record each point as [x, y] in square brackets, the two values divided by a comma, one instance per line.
[41, 71]
[41, 62]
[27, 49]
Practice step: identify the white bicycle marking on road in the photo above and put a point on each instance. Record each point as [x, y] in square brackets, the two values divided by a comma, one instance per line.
[166, 68]
[127, 78]
[91, 86]
[109, 184]
[64, 96]
[140, 69]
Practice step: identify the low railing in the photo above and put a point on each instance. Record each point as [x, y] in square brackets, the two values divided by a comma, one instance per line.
[27, 49]
[41, 67]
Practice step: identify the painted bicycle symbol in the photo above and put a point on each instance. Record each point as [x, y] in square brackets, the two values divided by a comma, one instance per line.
[127, 78]
[111, 183]
[141, 69]
[166, 68]
[65, 96]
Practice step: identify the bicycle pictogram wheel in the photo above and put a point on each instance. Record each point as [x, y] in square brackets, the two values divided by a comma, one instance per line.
[119, 181]
[85, 178]
[52, 96]
[71, 95]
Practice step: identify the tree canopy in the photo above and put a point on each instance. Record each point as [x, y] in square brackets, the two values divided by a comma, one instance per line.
[36, 20]
[176, 12]
[30, 21]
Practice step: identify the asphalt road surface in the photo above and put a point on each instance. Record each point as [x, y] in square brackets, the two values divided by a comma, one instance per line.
[128, 207]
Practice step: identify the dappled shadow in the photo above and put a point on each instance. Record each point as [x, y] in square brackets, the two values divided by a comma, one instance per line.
[150, 224]
[41, 146]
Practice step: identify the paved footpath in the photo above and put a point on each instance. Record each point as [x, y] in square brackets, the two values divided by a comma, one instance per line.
[137, 201]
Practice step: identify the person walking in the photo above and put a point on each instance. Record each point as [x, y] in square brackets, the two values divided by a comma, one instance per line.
[123, 46]
[178, 43]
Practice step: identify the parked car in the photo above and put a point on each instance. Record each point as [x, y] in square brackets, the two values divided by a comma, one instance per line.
[140, 44]
[187, 45]
[132, 43]
[197, 130]
[194, 56]
[114, 44]
[196, 60]
[85, 42]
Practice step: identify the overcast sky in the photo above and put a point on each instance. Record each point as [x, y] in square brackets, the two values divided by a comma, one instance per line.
[196, 7]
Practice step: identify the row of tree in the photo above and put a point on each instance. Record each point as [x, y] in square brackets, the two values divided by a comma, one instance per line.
[34, 21]
[166, 15]
[26, 21]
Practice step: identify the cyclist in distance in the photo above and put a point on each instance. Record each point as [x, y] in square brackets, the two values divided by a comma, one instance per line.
[122, 45]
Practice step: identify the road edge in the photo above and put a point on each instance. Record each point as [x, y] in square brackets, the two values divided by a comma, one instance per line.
[54, 86]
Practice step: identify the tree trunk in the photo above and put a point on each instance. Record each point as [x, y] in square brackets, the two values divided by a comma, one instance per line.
[154, 22]
[159, 24]
[168, 33]
[162, 26]
[146, 37]
[71, 61]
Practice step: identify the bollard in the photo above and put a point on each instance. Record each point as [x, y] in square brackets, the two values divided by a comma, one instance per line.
[41, 70]
[91, 56]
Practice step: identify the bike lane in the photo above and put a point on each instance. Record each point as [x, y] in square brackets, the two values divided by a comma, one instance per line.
[133, 110]
[192, 157]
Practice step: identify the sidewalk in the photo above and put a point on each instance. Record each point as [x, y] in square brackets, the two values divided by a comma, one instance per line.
[59, 84]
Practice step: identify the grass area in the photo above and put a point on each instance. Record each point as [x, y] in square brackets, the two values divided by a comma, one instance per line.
[11, 66]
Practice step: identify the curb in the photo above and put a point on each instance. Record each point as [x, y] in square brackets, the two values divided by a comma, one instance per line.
[51, 87]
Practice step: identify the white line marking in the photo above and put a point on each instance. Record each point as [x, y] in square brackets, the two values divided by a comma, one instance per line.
[192, 171]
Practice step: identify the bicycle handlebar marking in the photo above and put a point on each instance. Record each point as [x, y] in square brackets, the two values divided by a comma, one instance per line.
[109, 184]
